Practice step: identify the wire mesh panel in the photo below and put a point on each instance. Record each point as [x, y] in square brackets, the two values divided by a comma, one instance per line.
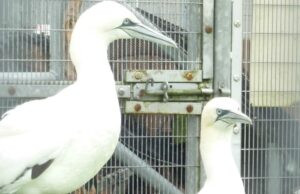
[34, 63]
[271, 95]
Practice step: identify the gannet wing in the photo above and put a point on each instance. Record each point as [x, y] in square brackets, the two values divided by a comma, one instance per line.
[27, 146]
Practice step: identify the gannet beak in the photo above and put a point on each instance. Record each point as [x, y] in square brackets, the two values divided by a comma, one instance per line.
[138, 30]
[235, 117]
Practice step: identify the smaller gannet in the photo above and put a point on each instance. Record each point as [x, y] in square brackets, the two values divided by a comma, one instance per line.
[219, 117]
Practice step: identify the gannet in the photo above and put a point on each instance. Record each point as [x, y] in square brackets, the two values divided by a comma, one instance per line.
[55, 145]
[219, 117]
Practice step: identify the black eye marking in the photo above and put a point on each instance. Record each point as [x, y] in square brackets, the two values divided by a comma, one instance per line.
[221, 113]
[127, 22]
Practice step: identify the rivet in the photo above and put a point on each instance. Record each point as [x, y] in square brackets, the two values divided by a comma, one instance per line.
[137, 107]
[11, 90]
[189, 76]
[189, 108]
[208, 29]
[121, 91]
[138, 75]
[237, 24]
[236, 130]
[236, 78]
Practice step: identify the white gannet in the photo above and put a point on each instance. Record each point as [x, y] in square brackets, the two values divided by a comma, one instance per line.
[55, 145]
[219, 117]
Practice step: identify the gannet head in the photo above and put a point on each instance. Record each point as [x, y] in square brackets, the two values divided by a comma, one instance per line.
[112, 21]
[223, 111]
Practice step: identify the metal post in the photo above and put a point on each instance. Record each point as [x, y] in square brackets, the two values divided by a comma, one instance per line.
[55, 17]
[222, 49]
[236, 71]
[208, 39]
[192, 155]
[192, 174]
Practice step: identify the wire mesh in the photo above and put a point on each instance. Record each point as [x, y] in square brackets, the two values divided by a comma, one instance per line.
[271, 95]
[34, 39]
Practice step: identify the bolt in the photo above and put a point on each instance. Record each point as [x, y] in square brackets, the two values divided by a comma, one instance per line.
[121, 91]
[208, 29]
[137, 107]
[236, 130]
[138, 75]
[189, 108]
[189, 76]
[11, 90]
[236, 78]
[237, 24]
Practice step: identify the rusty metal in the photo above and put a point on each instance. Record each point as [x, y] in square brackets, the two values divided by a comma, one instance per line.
[189, 108]
[137, 108]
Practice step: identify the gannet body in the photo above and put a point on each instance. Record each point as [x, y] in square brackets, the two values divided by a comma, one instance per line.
[55, 145]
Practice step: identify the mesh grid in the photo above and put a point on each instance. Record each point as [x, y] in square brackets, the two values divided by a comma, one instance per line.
[271, 95]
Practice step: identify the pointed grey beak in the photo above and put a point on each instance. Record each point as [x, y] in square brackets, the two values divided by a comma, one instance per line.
[234, 117]
[143, 32]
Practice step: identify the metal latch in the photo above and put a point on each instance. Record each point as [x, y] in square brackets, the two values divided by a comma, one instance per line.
[167, 91]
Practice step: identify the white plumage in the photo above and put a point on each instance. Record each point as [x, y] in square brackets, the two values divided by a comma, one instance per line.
[219, 117]
[57, 144]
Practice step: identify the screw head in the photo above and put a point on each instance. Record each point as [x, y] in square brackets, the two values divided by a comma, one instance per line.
[121, 91]
[189, 108]
[137, 107]
[236, 130]
[236, 78]
[189, 76]
[11, 90]
[138, 75]
[237, 24]
[208, 29]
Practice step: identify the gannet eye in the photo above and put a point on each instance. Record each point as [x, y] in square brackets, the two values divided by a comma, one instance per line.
[126, 22]
[219, 111]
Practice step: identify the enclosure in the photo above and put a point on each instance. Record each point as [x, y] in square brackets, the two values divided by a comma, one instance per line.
[244, 49]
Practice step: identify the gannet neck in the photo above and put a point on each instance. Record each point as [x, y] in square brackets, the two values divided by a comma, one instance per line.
[216, 153]
[88, 51]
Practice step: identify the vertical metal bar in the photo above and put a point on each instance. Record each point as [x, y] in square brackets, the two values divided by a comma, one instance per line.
[208, 39]
[222, 49]
[236, 70]
[274, 166]
[192, 175]
[55, 15]
[192, 155]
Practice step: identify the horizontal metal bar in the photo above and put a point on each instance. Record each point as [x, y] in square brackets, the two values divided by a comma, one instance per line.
[191, 108]
[164, 75]
[32, 91]
[43, 91]
[12, 77]
[148, 174]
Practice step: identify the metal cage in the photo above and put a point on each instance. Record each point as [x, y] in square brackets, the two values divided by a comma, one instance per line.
[244, 49]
